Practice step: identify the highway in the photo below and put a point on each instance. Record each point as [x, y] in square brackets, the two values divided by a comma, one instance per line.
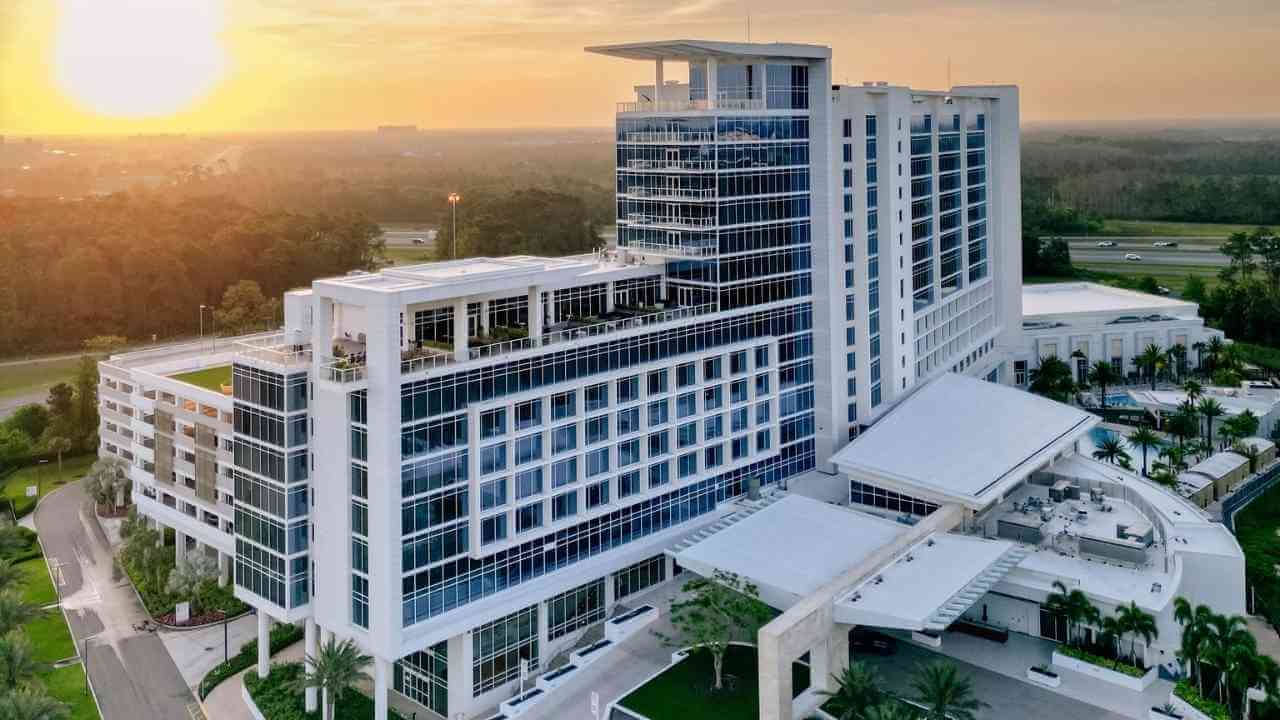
[1202, 251]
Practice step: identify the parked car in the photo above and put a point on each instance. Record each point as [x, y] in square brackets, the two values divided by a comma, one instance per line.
[1106, 243]
[1164, 243]
[872, 642]
[1133, 257]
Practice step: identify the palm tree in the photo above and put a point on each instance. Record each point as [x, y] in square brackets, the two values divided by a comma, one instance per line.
[1194, 622]
[28, 703]
[1210, 409]
[1213, 351]
[945, 694]
[1137, 623]
[337, 667]
[1073, 606]
[1249, 452]
[17, 660]
[1175, 458]
[1111, 630]
[1248, 423]
[1199, 347]
[1177, 359]
[59, 445]
[1226, 640]
[1144, 438]
[1052, 379]
[857, 688]
[1110, 450]
[890, 710]
[16, 612]
[1102, 374]
[1151, 360]
[1192, 388]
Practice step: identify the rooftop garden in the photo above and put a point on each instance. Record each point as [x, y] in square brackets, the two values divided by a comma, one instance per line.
[212, 378]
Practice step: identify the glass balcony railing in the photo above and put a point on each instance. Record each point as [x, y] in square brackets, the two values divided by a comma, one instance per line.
[670, 221]
[668, 193]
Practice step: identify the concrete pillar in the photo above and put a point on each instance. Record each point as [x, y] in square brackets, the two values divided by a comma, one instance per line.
[408, 331]
[713, 82]
[658, 80]
[310, 650]
[828, 659]
[460, 673]
[224, 569]
[460, 330]
[775, 680]
[180, 545]
[535, 314]
[609, 599]
[381, 678]
[544, 632]
[608, 294]
[160, 529]
[264, 644]
[484, 317]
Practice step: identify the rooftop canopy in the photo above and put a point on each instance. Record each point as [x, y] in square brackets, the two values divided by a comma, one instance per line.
[958, 439]
[1082, 297]
[690, 49]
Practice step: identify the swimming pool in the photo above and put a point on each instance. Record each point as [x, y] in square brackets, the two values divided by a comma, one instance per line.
[1120, 400]
[1098, 435]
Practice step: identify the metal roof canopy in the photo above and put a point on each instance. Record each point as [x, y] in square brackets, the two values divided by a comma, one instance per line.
[687, 49]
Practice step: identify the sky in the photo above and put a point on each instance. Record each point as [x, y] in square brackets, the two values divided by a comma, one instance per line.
[142, 66]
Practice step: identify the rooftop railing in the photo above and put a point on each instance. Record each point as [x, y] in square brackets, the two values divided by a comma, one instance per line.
[669, 136]
[660, 193]
[725, 102]
[343, 370]
[424, 359]
[274, 349]
[683, 250]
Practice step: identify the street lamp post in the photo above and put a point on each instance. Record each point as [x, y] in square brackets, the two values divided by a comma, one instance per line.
[40, 471]
[453, 239]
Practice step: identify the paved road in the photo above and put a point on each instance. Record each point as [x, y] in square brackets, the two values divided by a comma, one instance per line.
[10, 404]
[1151, 256]
[133, 674]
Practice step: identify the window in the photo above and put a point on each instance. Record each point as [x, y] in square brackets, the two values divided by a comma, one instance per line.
[738, 391]
[528, 482]
[597, 429]
[686, 405]
[713, 427]
[529, 517]
[762, 356]
[493, 458]
[659, 474]
[499, 646]
[762, 383]
[493, 529]
[658, 444]
[564, 505]
[741, 447]
[528, 448]
[738, 362]
[762, 412]
[628, 421]
[628, 453]
[713, 456]
[658, 412]
[493, 493]
[564, 438]
[686, 375]
[564, 472]
[597, 397]
[644, 574]
[657, 382]
[628, 483]
[628, 389]
[712, 398]
[528, 414]
[738, 420]
[598, 494]
[574, 609]
[564, 405]
[711, 369]
[688, 465]
[763, 440]
[598, 462]
[687, 435]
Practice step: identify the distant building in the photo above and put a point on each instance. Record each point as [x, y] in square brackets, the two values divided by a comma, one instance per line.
[397, 129]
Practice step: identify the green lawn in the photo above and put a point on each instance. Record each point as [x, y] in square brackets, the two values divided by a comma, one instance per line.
[209, 378]
[1158, 228]
[51, 638]
[684, 690]
[68, 684]
[45, 476]
[37, 586]
[409, 254]
[1173, 277]
[36, 374]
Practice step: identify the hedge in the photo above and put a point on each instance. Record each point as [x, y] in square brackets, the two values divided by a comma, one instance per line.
[30, 549]
[1188, 694]
[278, 699]
[282, 636]
[1103, 662]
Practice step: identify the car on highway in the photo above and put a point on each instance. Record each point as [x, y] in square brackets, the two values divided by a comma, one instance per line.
[1164, 243]
[1132, 257]
[1106, 243]
[419, 241]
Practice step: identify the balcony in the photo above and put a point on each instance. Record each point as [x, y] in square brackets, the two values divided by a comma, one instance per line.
[660, 193]
[683, 250]
[669, 136]
[669, 222]
[275, 350]
[672, 165]
[678, 106]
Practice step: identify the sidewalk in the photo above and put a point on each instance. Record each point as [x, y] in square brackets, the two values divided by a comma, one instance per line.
[226, 701]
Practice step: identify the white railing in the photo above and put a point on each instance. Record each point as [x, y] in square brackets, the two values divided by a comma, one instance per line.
[665, 164]
[694, 223]
[430, 359]
[684, 250]
[275, 350]
[501, 348]
[669, 136]
[724, 102]
[659, 193]
[630, 323]
[343, 370]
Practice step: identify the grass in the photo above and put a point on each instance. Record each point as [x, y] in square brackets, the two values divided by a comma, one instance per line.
[68, 684]
[46, 477]
[51, 638]
[1173, 277]
[212, 378]
[409, 254]
[37, 586]
[25, 377]
[684, 690]
[1256, 528]
[1161, 228]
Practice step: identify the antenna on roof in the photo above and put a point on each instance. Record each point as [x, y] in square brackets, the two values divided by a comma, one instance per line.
[748, 24]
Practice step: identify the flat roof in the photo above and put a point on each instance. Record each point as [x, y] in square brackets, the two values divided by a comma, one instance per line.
[1085, 297]
[963, 439]
[1232, 404]
[687, 49]
[1219, 465]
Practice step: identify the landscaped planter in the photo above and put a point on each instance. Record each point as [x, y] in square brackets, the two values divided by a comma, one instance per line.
[927, 638]
[1041, 676]
[626, 625]
[1137, 684]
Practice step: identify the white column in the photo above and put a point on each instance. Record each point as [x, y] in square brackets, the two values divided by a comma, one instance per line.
[264, 644]
[544, 634]
[180, 545]
[609, 599]
[160, 529]
[224, 569]
[408, 335]
[658, 81]
[713, 82]
[535, 314]
[460, 673]
[484, 317]
[608, 294]
[460, 330]
[310, 645]
[381, 673]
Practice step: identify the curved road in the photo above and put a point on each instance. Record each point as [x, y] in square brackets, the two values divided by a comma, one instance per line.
[133, 675]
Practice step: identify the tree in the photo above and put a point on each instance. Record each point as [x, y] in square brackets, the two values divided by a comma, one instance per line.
[244, 308]
[1192, 388]
[1194, 289]
[1199, 346]
[1137, 623]
[30, 703]
[1073, 606]
[718, 610]
[1151, 361]
[857, 688]
[1240, 250]
[334, 669]
[1249, 452]
[1144, 438]
[1210, 409]
[15, 612]
[86, 399]
[945, 694]
[1111, 450]
[1194, 622]
[31, 419]
[1102, 374]
[890, 710]
[1226, 640]
[10, 574]
[1052, 379]
[60, 400]
[107, 481]
[18, 660]
[11, 542]
[58, 444]
[15, 446]
[193, 577]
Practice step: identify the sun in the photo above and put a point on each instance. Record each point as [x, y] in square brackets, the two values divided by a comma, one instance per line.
[138, 58]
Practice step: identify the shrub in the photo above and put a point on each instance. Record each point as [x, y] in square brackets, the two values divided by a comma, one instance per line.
[1187, 693]
[27, 547]
[282, 636]
[277, 699]
[1123, 668]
